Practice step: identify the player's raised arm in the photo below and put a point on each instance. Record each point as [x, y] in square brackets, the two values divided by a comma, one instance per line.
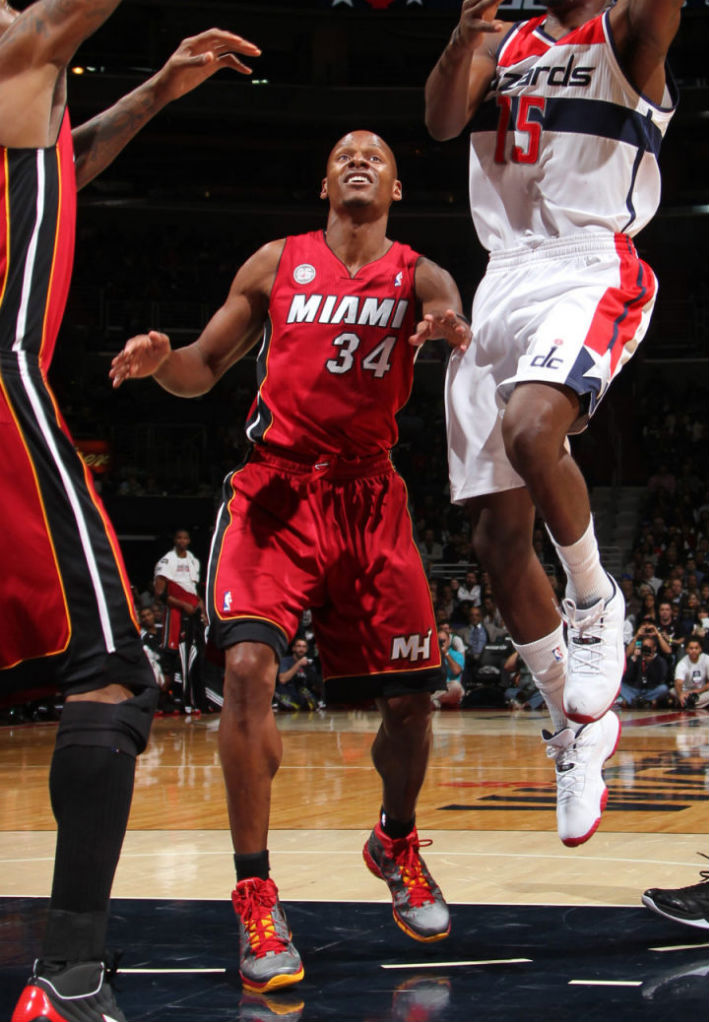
[642, 32]
[231, 332]
[50, 31]
[440, 305]
[35, 47]
[100, 140]
[457, 85]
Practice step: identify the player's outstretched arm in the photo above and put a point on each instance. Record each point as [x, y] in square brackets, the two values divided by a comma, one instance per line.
[643, 31]
[50, 31]
[230, 334]
[100, 140]
[458, 83]
[440, 304]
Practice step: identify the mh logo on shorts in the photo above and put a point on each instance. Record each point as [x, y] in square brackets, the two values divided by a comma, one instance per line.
[411, 647]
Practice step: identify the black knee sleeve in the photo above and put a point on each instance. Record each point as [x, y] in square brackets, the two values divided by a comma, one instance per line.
[124, 726]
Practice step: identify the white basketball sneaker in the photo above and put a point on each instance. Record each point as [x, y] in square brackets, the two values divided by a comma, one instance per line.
[581, 794]
[596, 656]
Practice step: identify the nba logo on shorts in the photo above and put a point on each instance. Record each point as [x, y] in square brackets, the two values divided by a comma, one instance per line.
[226, 605]
[558, 654]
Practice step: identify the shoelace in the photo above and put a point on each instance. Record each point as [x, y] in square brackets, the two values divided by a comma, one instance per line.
[569, 780]
[255, 906]
[587, 655]
[410, 866]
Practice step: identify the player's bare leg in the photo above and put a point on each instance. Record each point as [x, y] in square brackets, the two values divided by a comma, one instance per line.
[250, 745]
[400, 754]
[400, 751]
[502, 535]
[251, 750]
[537, 420]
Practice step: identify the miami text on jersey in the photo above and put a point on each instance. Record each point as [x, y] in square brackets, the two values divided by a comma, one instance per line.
[385, 312]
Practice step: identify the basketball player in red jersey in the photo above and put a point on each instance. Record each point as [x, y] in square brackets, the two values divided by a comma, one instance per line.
[67, 614]
[566, 113]
[317, 517]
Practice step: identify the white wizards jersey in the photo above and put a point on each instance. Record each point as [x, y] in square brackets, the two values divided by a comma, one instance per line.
[563, 143]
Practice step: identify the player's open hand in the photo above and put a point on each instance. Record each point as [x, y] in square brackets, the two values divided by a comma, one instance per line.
[476, 17]
[142, 356]
[449, 325]
[199, 57]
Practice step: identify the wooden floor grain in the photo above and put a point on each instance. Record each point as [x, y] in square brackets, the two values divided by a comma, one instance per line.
[487, 804]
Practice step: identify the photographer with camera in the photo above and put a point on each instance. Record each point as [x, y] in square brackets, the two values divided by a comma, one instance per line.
[649, 629]
[299, 683]
[692, 677]
[644, 681]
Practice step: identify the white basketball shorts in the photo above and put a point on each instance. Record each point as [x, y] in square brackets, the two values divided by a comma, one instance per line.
[569, 312]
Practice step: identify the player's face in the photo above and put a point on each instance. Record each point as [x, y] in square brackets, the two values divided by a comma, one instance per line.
[182, 540]
[361, 172]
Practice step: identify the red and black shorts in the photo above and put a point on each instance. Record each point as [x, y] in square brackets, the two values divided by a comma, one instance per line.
[67, 609]
[334, 536]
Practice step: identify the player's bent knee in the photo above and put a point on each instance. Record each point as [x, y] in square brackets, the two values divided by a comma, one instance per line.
[124, 726]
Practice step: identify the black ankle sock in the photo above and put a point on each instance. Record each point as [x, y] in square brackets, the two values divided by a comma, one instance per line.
[252, 865]
[90, 789]
[395, 828]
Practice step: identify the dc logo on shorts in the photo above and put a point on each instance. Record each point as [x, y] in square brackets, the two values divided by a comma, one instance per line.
[558, 654]
[226, 605]
[304, 273]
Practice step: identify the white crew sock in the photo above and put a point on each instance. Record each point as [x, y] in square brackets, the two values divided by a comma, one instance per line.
[586, 580]
[546, 659]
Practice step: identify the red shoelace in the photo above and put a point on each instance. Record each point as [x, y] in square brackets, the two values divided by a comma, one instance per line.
[254, 902]
[405, 852]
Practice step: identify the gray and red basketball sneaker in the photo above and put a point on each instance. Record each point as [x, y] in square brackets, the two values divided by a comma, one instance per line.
[267, 958]
[418, 905]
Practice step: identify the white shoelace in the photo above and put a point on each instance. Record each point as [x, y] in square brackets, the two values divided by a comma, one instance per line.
[584, 643]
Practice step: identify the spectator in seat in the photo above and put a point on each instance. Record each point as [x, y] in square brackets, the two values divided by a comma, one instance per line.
[451, 696]
[692, 677]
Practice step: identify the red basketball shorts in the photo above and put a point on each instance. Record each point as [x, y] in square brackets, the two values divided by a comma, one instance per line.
[335, 537]
[65, 599]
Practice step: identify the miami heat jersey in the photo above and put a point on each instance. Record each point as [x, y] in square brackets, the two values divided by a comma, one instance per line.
[563, 143]
[37, 229]
[335, 365]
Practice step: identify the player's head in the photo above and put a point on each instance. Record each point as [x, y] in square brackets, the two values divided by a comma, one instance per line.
[361, 175]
